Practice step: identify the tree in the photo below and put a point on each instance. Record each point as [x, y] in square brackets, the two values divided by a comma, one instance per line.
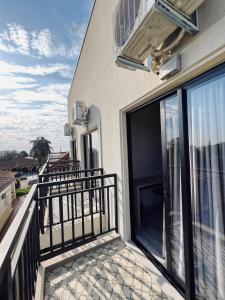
[23, 154]
[40, 150]
[8, 155]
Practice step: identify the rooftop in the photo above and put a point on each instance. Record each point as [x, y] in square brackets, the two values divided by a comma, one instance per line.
[6, 178]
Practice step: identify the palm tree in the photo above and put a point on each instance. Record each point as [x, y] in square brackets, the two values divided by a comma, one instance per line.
[40, 150]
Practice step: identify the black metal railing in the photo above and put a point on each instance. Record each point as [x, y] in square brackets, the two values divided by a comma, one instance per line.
[62, 166]
[58, 176]
[20, 252]
[43, 177]
[76, 213]
[57, 215]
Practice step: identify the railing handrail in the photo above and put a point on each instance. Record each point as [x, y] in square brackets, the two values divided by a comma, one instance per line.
[10, 240]
[62, 194]
[74, 180]
[70, 172]
[43, 169]
[62, 161]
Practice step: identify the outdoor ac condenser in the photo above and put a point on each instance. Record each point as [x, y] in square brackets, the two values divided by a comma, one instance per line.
[67, 129]
[141, 26]
[80, 113]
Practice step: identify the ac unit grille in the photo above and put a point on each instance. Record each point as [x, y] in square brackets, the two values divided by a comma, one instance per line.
[126, 14]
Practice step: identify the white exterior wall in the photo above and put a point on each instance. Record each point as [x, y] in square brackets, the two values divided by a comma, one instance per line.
[111, 91]
[6, 198]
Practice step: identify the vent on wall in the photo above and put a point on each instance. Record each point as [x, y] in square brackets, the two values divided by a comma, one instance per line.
[141, 26]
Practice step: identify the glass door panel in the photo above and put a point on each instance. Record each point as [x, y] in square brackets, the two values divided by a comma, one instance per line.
[87, 151]
[173, 170]
[206, 125]
[148, 209]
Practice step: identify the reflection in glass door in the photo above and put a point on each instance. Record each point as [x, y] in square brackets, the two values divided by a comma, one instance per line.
[206, 125]
[174, 192]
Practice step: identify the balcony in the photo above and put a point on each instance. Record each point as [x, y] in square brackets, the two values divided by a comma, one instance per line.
[63, 243]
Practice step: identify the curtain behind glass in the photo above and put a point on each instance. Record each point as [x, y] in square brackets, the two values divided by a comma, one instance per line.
[206, 124]
[175, 192]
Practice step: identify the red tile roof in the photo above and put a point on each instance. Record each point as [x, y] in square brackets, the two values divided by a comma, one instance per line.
[6, 178]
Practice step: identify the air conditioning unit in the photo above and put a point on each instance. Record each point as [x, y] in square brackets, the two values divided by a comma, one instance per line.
[141, 26]
[80, 113]
[67, 129]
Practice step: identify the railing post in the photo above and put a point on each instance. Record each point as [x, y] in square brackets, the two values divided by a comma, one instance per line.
[6, 285]
[41, 207]
[116, 204]
[10, 283]
[103, 192]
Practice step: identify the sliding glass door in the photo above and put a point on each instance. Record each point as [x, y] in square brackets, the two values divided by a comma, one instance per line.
[157, 218]
[206, 125]
[177, 171]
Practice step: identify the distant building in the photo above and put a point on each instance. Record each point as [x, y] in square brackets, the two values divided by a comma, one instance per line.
[58, 156]
[7, 195]
[55, 158]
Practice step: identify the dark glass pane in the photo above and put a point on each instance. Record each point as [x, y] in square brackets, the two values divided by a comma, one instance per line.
[95, 149]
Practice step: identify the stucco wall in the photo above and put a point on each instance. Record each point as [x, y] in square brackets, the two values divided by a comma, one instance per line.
[113, 90]
[6, 198]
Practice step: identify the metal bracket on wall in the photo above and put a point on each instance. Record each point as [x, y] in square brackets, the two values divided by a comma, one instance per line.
[131, 65]
[190, 25]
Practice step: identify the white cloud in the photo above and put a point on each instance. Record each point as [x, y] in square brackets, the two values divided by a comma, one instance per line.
[19, 37]
[26, 114]
[20, 126]
[30, 109]
[41, 70]
[41, 43]
[36, 95]
[16, 82]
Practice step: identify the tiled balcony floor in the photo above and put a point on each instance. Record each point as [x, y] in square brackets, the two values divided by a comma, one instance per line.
[110, 272]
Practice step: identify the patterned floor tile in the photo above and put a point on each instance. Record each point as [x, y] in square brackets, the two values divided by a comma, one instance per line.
[110, 272]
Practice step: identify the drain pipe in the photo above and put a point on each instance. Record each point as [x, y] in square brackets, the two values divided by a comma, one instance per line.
[159, 56]
[172, 46]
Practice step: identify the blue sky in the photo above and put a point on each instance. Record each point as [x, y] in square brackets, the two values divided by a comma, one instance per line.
[40, 42]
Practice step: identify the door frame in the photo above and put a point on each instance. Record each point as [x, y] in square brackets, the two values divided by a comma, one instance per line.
[84, 149]
[166, 271]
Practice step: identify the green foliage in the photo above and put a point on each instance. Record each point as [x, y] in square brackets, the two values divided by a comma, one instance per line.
[8, 155]
[41, 148]
[23, 154]
[22, 192]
